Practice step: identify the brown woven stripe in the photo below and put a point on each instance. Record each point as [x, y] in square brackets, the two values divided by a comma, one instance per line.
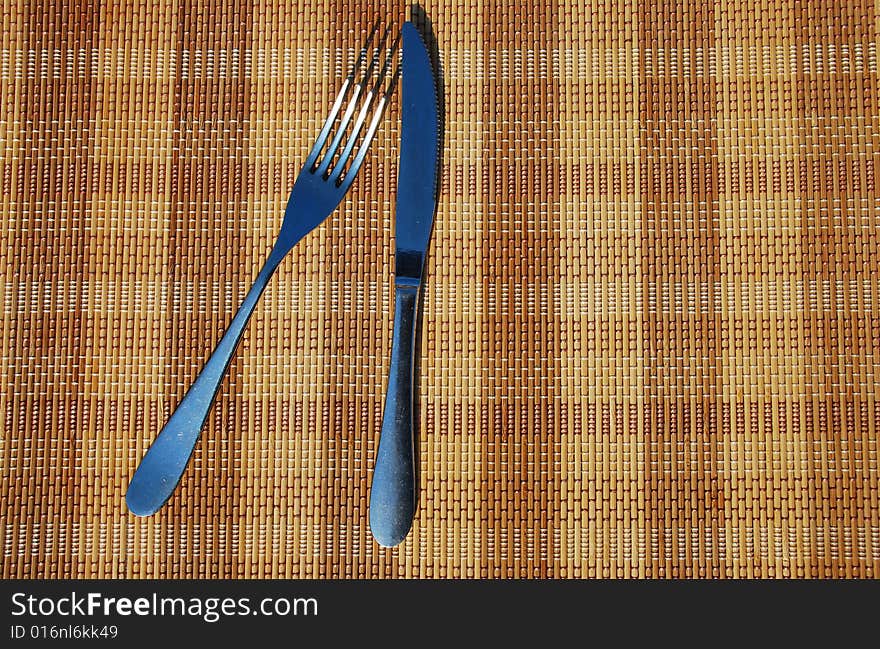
[837, 415]
[520, 253]
[649, 324]
[680, 243]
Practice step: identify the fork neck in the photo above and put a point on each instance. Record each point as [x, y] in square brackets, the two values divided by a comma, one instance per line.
[278, 253]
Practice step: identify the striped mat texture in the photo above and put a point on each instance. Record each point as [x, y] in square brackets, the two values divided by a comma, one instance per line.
[651, 323]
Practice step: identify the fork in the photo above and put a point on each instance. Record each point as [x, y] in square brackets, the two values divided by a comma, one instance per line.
[320, 186]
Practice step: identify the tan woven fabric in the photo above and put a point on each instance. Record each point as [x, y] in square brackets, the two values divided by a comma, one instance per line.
[651, 320]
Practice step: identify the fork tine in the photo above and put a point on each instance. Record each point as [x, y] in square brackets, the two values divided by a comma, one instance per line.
[345, 181]
[352, 105]
[337, 103]
[369, 101]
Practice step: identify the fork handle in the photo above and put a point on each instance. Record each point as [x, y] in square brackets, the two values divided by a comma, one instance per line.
[162, 467]
[392, 497]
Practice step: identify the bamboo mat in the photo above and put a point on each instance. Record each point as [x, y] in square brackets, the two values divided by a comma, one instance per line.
[651, 320]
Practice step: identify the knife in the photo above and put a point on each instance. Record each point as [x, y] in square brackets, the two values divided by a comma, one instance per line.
[393, 494]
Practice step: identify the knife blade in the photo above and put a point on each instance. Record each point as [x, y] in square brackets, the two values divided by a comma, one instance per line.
[393, 494]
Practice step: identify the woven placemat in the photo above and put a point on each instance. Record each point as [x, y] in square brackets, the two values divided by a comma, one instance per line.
[651, 314]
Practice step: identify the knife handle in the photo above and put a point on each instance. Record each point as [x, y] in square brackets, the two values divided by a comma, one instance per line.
[392, 497]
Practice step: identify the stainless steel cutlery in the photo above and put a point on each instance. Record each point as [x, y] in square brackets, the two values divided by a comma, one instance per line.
[326, 176]
[323, 181]
[393, 494]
